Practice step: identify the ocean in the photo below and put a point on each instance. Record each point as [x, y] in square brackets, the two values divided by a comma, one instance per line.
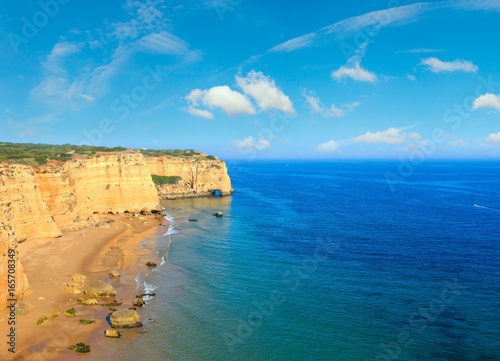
[330, 261]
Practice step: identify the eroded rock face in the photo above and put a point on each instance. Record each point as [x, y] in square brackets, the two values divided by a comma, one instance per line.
[8, 252]
[125, 318]
[200, 177]
[42, 202]
[100, 288]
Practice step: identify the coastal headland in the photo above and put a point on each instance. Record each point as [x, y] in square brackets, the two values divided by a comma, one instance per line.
[83, 214]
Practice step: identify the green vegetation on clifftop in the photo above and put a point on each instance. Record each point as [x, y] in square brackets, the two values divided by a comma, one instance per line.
[40, 154]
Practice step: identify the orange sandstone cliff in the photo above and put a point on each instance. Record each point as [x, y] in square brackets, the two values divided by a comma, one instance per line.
[42, 202]
[200, 177]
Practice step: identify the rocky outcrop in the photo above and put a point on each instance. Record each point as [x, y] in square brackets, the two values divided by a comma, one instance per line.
[200, 176]
[125, 319]
[100, 288]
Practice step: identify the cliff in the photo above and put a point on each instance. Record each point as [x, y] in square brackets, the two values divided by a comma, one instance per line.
[42, 202]
[200, 177]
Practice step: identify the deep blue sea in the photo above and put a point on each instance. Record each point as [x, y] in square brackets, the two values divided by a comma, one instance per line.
[328, 261]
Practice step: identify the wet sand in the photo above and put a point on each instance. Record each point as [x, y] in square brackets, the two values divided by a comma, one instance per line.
[94, 253]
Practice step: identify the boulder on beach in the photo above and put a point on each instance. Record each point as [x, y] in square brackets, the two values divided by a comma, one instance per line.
[71, 289]
[125, 318]
[114, 273]
[103, 224]
[100, 288]
[112, 334]
[76, 277]
[23, 308]
[151, 264]
[87, 301]
[139, 302]
[74, 284]
[218, 214]
[193, 220]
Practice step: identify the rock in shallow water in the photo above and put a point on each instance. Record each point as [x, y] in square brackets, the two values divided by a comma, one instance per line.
[125, 319]
[113, 334]
[151, 264]
[218, 214]
[139, 302]
[114, 273]
[100, 289]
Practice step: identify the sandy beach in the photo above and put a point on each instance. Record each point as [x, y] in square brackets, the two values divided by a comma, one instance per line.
[94, 252]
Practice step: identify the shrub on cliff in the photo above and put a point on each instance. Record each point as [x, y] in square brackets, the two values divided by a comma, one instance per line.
[162, 180]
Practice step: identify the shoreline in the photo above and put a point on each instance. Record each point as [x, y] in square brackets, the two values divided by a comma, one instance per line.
[93, 252]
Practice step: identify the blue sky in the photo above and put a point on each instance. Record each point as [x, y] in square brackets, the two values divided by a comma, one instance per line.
[251, 78]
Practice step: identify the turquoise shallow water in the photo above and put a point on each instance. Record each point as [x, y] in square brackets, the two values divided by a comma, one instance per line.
[322, 261]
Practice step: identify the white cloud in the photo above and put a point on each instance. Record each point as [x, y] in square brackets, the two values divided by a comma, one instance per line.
[456, 142]
[317, 107]
[199, 112]
[436, 66]
[356, 72]
[353, 68]
[232, 102]
[263, 144]
[414, 136]
[351, 106]
[329, 147]
[493, 138]
[334, 112]
[315, 103]
[389, 136]
[265, 92]
[250, 143]
[411, 77]
[487, 100]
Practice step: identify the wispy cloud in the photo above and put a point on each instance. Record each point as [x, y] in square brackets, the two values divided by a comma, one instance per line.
[437, 66]
[419, 51]
[333, 111]
[72, 85]
[380, 18]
